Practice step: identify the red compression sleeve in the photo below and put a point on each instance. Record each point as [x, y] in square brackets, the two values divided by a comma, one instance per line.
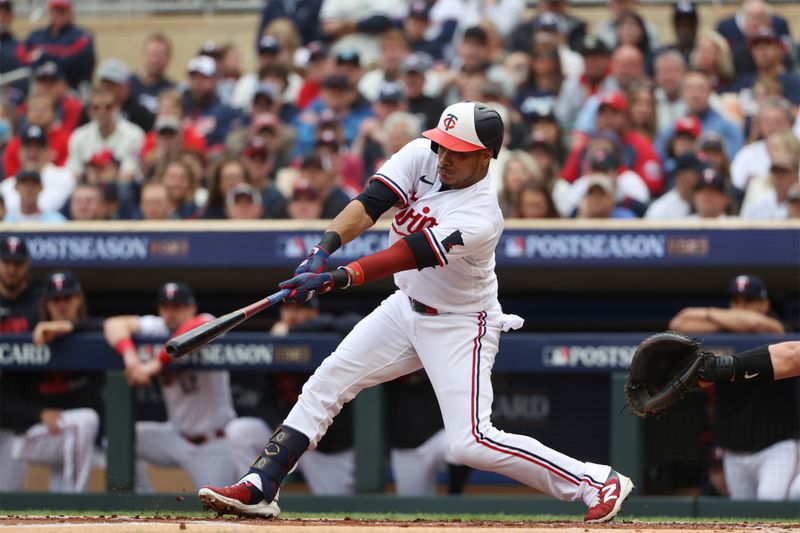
[124, 345]
[396, 258]
[183, 328]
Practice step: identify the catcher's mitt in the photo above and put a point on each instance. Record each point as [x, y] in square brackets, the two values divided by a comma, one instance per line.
[665, 367]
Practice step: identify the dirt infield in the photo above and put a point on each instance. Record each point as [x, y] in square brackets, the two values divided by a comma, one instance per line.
[120, 524]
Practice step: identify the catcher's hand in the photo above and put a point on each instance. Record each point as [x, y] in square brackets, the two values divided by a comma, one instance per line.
[665, 367]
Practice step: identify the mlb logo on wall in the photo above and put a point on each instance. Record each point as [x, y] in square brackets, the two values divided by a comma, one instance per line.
[555, 356]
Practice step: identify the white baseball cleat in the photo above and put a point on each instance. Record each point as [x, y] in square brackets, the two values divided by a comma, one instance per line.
[242, 499]
[608, 501]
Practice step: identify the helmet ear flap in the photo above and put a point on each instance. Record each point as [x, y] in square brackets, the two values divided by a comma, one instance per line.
[435, 147]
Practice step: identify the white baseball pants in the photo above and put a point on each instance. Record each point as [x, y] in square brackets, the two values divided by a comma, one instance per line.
[457, 352]
[768, 474]
[330, 474]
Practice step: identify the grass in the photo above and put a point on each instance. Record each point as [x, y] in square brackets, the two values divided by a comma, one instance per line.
[438, 517]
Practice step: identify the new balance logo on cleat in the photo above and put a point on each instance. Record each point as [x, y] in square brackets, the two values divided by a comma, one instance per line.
[608, 501]
[609, 493]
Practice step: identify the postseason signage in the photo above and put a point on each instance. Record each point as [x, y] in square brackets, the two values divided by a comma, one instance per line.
[517, 247]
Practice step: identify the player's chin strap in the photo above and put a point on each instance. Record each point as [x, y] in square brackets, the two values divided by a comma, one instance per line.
[277, 459]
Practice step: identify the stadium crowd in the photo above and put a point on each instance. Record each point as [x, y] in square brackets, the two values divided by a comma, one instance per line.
[614, 123]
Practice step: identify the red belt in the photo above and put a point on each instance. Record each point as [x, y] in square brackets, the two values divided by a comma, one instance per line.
[202, 439]
[420, 307]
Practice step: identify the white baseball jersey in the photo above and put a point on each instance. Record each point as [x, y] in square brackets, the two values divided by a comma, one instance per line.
[462, 227]
[198, 402]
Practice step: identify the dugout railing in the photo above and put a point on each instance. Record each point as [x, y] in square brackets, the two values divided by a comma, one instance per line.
[576, 354]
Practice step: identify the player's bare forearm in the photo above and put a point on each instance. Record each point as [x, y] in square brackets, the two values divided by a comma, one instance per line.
[744, 321]
[351, 222]
[690, 324]
[118, 328]
[785, 359]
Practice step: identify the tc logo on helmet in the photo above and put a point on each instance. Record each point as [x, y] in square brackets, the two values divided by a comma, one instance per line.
[449, 122]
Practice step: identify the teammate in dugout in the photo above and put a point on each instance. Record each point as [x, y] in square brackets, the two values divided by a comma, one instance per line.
[199, 403]
[445, 318]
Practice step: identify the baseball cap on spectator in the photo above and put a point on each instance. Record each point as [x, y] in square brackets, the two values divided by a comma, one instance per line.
[765, 34]
[268, 44]
[264, 121]
[748, 286]
[114, 70]
[327, 138]
[615, 100]
[603, 161]
[602, 181]
[348, 57]
[688, 162]
[711, 178]
[103, 158]
[312, 160]
[304, 190]
[419, 9]
[593, 45]
[210, 49]
[33, 134]
[63, 283]
[414, 63]
[538, 141]
[64, 4]
[203, 65]
[328, 117]
[243, 191]
[336, 81]
[264, 88]
[49, 70]
[688, 126]
[546, 21]
[684, 8]
[13, 248]
[391, 91]
[166, 123]
[476, 33]
[28, 175]
[712, 141]
[540, 113]
[317, 50]
[176, 293]
[256, 147]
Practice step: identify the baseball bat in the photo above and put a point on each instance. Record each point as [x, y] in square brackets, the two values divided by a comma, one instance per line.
[205, 333]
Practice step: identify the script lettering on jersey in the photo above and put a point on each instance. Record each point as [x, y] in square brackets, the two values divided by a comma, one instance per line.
[408, 220]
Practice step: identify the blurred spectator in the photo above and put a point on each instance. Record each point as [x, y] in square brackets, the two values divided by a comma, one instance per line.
[685, 132]
[348, 64]
[676, 203]
[316, 167]
[57, 425]
[548, 36]
[544, 152]
[774, 204]
[536, 202]
[358, 24]
[768, 53]
[229, 71]
[473, 61]
[416, 26]
[35, 155]
[304, 203]
[49, 80]
[519, 170]
[148, 85]
[573, 29]
[259, 162]
[63, 42]
[600, 200]
[711, 198]
[198, 402]
[204, 112]
[638, 154]
[9, 62]
[712, 148]
[28, 184]
[40, 112]
[113, 74]
[106, 130]
[347, 167]
[340, 97]
[793, 198]
[642, 109]
[596, 76]
[394, 49]
[317, 66]
[754, 460]
[304, 14]
[2, 207]
[244, 203]
[685, 23]
[631, 31]
[19, 297]
[779, 145]
[227, 174]
[744, 25]
[774, 116]
[154, 202]
[177, 178]
[669, 69]
[608, 30]
[696, 91]
[712, 55]
[269, 59]
[86, 203]
[412, 74]
[396, 131]
[120, 200]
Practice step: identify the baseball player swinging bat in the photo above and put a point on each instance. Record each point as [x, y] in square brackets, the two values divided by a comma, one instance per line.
[205, 333]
